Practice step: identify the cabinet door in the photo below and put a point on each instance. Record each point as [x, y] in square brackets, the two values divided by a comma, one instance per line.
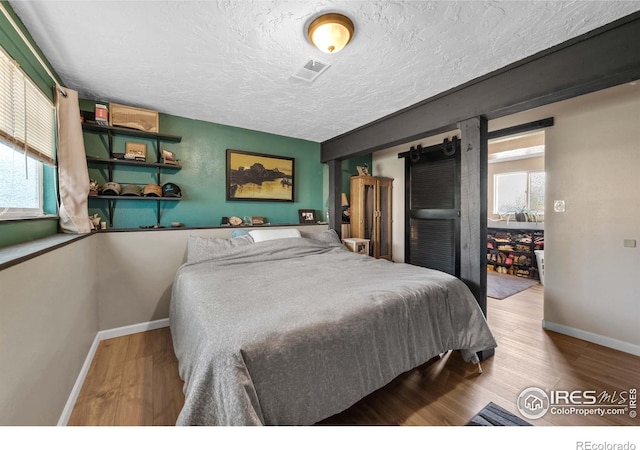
[383, 219]
[363, 207]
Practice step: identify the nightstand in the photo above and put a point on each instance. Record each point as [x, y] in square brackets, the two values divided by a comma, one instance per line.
[357, 245]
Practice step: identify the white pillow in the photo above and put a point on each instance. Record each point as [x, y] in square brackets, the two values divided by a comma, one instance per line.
[268, 235]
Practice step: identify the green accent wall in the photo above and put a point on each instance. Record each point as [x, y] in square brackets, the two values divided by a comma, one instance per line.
[13, 232]
[202, 153]
[18, 50]
[50, 194]
[17, 231]
[202, 179]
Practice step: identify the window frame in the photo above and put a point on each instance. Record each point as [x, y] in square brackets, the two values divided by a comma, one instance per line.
[34, 103]
[528, 174]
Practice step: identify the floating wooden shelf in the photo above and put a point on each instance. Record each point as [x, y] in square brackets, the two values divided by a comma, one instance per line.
[130, 132]
[132, 162]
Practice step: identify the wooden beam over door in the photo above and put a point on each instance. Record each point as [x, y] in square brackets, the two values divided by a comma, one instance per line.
[602, 58]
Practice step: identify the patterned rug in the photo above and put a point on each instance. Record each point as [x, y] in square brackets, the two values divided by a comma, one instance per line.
[501, 286]
[493, 415]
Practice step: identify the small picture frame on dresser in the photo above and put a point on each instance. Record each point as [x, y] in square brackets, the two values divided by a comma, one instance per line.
[307, 215]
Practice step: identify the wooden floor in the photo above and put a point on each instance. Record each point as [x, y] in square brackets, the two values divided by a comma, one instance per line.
[134, 380]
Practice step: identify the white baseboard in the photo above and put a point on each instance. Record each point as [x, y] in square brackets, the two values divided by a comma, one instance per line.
[73, 396]
[132, 329]
[592, 337]
[101, 336]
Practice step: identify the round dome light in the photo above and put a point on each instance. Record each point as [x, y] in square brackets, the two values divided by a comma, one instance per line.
[331, 32]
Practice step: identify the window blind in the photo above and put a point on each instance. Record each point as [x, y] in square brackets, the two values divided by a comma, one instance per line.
[26, 114]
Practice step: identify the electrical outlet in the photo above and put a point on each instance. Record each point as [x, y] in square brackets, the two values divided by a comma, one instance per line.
[630, 243]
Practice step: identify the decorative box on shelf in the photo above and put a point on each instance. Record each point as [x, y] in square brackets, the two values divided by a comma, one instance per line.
[132, 117]
[357, 245]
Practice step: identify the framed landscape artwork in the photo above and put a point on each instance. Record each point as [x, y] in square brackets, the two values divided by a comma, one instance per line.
[257, 177]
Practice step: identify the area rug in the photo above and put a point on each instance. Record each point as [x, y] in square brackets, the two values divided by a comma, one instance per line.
[493, 415]
[501, 286]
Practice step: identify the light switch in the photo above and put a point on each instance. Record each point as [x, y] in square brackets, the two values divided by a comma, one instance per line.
[558, 205]
[630, 243]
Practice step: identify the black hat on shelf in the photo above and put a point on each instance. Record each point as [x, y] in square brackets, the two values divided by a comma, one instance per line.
[171, 190]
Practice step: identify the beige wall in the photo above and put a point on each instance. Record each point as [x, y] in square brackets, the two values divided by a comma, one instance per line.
[48, 321]
[137, 269]
[592, 161]
[594, 165]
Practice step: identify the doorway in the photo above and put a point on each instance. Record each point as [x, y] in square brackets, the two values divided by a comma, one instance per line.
[515, 213]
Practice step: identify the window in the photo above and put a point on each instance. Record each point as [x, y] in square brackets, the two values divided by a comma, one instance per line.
[26, 142]
[518, 191]
[20, 184]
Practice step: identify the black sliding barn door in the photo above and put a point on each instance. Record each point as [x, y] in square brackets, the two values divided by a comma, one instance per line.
[432, 207]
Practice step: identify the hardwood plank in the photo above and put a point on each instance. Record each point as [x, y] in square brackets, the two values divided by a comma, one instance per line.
[168, 397]
[134, 380]
[140, 345]
[135, 399]
[97, 401]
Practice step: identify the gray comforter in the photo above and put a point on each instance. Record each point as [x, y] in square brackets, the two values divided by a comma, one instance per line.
[292, 331]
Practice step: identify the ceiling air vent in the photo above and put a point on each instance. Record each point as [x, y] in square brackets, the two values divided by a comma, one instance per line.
[311, 70]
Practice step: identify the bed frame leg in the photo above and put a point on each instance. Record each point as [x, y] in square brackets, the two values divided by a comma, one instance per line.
[486, 354]
[479, 368]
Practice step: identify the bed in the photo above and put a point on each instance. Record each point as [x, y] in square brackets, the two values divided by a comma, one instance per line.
[290, 331]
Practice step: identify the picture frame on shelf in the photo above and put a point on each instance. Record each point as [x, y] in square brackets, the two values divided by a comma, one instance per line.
[258, 177]
[307, 215]
[135, 150]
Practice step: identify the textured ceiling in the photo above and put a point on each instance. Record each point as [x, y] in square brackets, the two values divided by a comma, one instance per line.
[231, 62]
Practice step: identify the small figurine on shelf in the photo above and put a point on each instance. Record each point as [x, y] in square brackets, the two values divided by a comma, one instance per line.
[94, 188]
[363, 170]
[168, 158]
[95, 221]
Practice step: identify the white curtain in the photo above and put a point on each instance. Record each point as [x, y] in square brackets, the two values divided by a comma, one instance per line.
[73, 176]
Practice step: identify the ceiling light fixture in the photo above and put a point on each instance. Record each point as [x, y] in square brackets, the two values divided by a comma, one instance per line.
[331, 32]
